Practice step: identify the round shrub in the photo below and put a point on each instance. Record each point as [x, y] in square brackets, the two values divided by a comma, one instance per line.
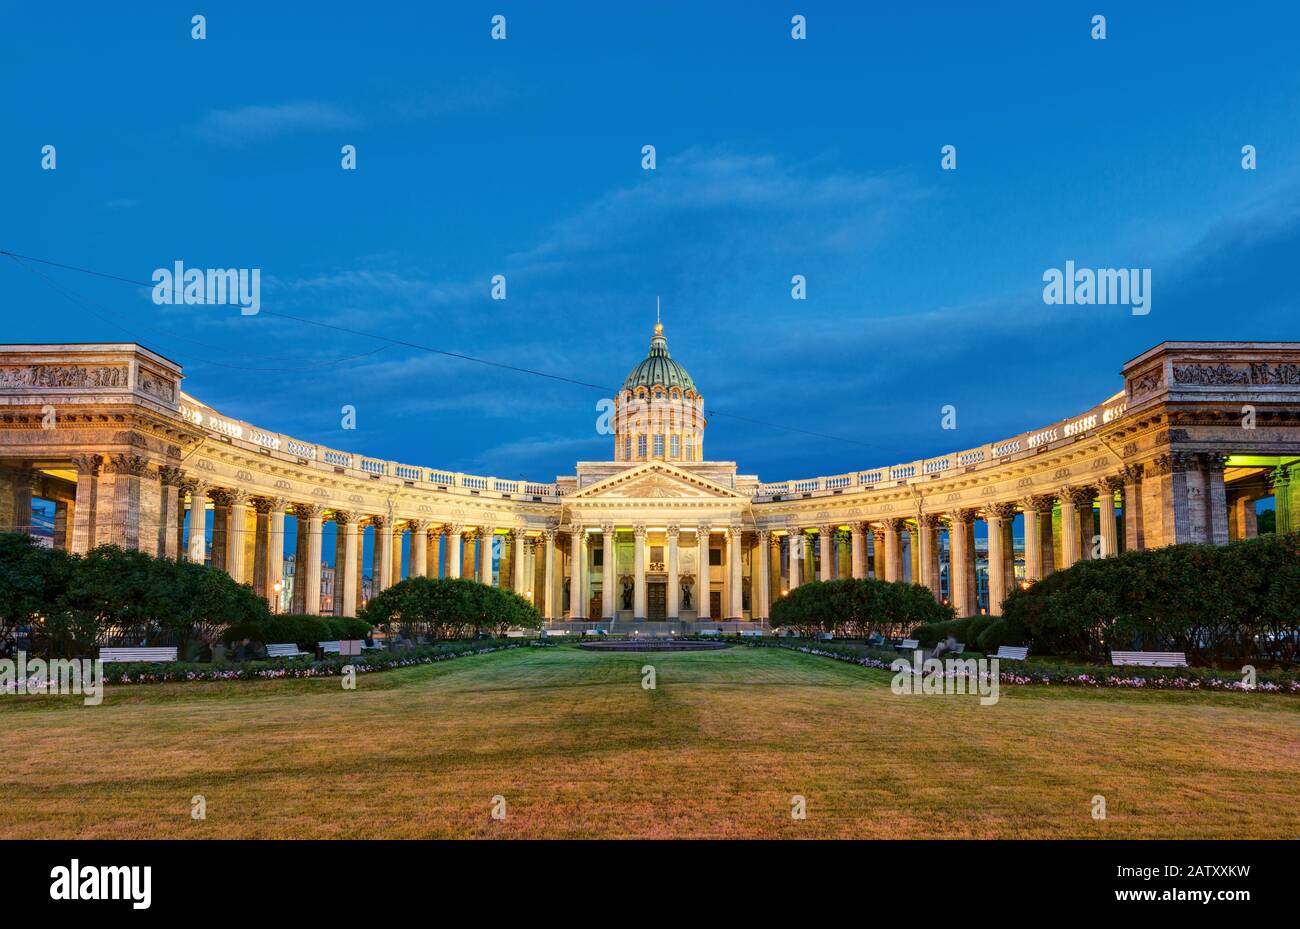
[449, 608]
[857, 607]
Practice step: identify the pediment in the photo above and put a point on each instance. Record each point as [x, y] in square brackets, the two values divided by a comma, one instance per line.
[655, 481]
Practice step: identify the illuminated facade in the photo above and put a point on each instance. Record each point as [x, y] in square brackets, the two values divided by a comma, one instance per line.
[660, 533]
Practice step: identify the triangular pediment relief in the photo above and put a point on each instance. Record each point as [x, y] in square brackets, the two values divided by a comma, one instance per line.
[655, 481]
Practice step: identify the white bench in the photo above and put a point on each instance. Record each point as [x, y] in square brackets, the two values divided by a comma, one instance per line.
[137, 654]
[908, 645]
[289, 650]
[825, 636]
[751, 632]
[329, 648]
[1011, 652]
[1149, 659]
[710, 632]
[550, 632]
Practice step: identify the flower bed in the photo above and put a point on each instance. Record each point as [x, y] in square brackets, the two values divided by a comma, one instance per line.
[132, 673]
[1040, 672]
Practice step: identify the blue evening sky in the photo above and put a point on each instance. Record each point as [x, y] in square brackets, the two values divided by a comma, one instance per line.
[775, 157]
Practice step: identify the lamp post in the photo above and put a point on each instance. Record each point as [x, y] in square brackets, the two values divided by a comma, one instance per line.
[279, 586]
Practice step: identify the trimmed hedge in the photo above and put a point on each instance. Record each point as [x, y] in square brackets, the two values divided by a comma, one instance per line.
[450, 608]
[1221, 604]
[966, 631]
[857, 608]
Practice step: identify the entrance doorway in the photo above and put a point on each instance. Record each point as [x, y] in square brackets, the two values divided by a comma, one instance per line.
[656, 601]
[715, 604]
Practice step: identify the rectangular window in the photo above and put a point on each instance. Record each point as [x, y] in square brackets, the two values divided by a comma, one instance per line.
[627, 447]
[640, 446]
[675, 445]
[690, 449]
[659, 446]
[715, 556]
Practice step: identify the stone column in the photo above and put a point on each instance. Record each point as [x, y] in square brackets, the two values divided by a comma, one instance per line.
[1244, 525]
[308, 571]
[63, 525]
[419, 547]
[928, 545]
[1002, 574]
[1216, 499]
[1133, 535]
[608, 573]
[169, 506]
[794, 556]
[638, 573]
[674, 581]
[1069, 526]
[1109, 532]
[221, 502]
[454, 546]
[486, 534]
[763, 590]
[577, 563]
[858, 532]
[893, 552]
[824, 554]
[516, 562]
[128, 471]
[703, 601]
[530, 571]
[960, 558]
[83, 511]
[346, 557]
[1281, 479]
[434, 561]
[262, 548]
[381, 569]
[548, 576]
[736, 588]
[878, 553]
[17, 487]
[198, 541]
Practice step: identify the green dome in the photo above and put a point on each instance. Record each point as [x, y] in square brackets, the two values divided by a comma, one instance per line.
[658, 369]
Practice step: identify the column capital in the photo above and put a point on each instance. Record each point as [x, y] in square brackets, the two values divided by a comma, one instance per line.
[263, 505]
[1038, 503]
[703, 529]
[794, 530]
[308, 510]
[859, 528]
[961, 517]
[764, 535]
[133, 465]
[1132, 474]
[1112, 484]
[894, 523]
[171, 476]
[673, 531]
[549, 534]
[606, 528]
[1002, 510]
[929, 521]
[827, 530]
[221, 496]
[1214, 461]
[639, 531]
[576, 528]
[1079, 496]
[453, 529]
[343, 517]
[88, 465]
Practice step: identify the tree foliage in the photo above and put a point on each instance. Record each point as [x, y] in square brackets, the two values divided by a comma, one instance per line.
[449, 608]
[857, 608]
[72, 603]
[1216, 603]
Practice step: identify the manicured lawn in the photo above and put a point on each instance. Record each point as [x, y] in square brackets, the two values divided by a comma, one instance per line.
[577, 748]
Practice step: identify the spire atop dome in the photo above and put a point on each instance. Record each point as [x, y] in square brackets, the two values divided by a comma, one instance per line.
[658, 369]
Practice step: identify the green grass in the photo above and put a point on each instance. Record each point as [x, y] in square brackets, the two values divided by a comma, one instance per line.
[577, 748]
